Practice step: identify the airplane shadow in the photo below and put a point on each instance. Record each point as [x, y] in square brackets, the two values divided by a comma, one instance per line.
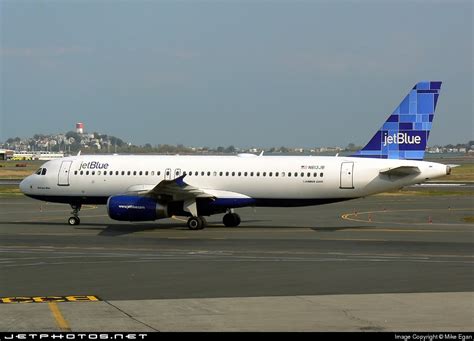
[112, 230]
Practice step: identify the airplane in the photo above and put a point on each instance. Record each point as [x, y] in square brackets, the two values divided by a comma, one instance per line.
[151, 187]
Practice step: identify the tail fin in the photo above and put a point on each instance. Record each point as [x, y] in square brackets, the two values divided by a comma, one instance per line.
[405, 133]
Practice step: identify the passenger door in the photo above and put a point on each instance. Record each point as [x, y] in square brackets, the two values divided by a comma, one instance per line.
[347, 175]
[63, 176]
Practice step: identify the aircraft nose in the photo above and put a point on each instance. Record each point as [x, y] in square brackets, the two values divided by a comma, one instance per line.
[25, 185]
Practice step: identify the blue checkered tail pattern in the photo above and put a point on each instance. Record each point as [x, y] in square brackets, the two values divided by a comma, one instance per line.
[405, 133]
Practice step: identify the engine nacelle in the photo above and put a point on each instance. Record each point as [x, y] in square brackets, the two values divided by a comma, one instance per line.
[135, 208]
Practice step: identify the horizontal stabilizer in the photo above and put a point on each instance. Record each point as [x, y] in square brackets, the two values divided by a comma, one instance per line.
[401, 171]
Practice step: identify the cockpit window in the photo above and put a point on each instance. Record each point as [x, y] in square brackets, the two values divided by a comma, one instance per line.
[43, 172]
[38, 172]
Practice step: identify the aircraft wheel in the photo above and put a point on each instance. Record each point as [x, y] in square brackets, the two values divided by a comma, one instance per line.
[74, 221]
[231, 220]
[196, 223]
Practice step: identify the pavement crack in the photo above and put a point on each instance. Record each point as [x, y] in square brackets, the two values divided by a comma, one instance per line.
[130, 316]
[369, 326]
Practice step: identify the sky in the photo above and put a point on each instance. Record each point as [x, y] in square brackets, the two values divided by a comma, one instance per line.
[242, 73]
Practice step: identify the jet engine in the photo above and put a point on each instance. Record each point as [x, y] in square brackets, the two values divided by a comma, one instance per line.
[135, 208]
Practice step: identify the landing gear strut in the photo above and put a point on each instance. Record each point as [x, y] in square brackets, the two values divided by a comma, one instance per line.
[231, 219]
[197, 223]
[74, 220]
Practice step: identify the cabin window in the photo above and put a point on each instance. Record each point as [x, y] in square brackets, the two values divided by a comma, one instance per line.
[226, 173]
[208, 173]
[82, 172]
[302, 174]
[87, 172]
[128, 173]
[251, 173]
[233, 173]
[289, 174]
[258, 173]
[315, 174]
[75, 172]
[220, 173]
[245, 173]
[158, 173]
[93, 173]
[140, 173]
[296, 174]
[196, 173]
[240, 173]
[105, 172]
[264, 174]
[276, 174]
[321, 174]
[270, 174]
[146, 173]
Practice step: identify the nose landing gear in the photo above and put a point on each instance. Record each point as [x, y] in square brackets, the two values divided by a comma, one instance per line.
[74, 220]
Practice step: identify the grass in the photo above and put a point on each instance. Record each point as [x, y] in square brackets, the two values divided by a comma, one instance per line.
[469, 219]
[464, 172]
[9, 169]
[9, 190]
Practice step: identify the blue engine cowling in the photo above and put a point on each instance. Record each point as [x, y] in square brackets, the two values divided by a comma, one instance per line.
[135, 208]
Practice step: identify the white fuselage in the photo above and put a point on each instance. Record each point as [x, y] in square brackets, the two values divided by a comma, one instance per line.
[288, 180]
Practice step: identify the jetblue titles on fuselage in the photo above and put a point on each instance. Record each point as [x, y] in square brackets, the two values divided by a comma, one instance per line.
[94, 165]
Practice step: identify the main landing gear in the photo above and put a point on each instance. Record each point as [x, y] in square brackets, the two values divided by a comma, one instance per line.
[74, 220]
[197, 223]
[231, 219]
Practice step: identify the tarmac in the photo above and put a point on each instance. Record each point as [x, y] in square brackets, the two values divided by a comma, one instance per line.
[383, 263]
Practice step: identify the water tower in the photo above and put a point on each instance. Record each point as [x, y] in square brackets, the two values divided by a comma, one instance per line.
[80, 128]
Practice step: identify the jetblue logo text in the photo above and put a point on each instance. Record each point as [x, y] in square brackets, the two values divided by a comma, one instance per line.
[401, 138]
[94, 165]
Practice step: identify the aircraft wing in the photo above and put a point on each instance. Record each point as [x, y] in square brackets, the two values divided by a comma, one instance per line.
[401, 171]
[175, 190]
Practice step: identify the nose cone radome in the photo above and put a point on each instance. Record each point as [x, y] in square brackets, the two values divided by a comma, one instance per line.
[25, 185]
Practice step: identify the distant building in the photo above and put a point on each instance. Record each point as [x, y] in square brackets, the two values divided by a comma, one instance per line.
[26, 155]
[6, 154]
